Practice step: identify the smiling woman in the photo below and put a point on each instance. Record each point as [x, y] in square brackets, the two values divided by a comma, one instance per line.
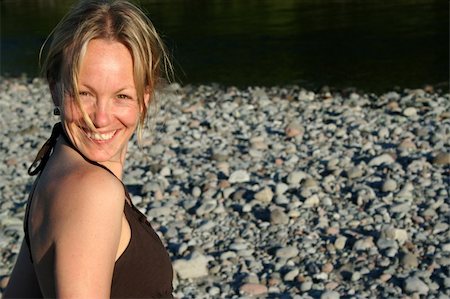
[108, 96]
[83, 236]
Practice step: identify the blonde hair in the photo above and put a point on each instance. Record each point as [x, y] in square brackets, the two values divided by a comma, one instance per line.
[115, 20]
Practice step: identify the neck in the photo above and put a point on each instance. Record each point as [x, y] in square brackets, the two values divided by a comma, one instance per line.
[66, 145]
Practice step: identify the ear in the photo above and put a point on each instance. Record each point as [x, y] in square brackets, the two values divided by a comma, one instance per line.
[147, 97]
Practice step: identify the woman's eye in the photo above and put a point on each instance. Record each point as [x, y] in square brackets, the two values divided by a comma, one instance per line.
[123, 97]
[83, 93]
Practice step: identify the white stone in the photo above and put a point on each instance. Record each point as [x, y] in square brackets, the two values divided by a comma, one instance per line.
[446, 247]
[330, 295]
[287, 252]
[281, 188]
[416, 285]
[311, 201]
[265, 195]
[239, 176]
[340, 242]
[382, 159]
[196, 266]
[291, 275]
[410, 111]
[294, 178]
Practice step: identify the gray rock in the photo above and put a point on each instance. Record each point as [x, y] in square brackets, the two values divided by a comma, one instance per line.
[281, 188]
[196, 191]
[442, 159]
[409, 260]
[265, 195]
[401, 208]
[382, 159]
[330, 295]
[294, 178]
[206, 207]
[416, 285]
[389, 185]
[278, 216]
[363, 244]
[291, 275]
[306, 285]
[193, 267]
[355, 172]
[410, 111]
[287, 252]
[383, 243]
[239, 176]
[311, 201]
[340, 242]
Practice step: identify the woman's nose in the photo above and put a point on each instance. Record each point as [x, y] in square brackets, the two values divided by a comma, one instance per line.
[102, 114]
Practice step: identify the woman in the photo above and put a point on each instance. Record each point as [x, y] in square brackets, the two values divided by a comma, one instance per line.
[83, 236]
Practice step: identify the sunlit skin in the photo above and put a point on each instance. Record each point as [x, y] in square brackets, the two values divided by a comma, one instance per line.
[108, 94]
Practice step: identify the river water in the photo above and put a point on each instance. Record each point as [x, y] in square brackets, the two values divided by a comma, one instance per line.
[370, 45]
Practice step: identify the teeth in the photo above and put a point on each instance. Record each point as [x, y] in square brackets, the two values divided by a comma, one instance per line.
[98, 136]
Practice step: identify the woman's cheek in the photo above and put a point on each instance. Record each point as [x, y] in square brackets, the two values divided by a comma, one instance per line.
[72, 112]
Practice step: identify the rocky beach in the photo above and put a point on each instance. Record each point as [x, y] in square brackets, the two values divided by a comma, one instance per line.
[272, 192]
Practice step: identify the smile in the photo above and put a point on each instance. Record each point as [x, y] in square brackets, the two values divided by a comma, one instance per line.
[100, 137]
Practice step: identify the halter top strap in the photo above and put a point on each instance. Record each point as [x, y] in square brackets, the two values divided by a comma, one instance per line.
[45, 151]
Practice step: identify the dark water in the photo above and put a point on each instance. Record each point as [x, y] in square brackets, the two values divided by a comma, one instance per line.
[370, 45]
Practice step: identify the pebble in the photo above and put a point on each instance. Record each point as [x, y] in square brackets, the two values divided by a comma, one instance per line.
[278, 216]
[239, 176]
[287, 252]
[264, 195]
[446, 247]
[410, 111]
[291, 275]
[354, 173]
[194, 267]
[306, 285]
[294, 129]
[340, 242]
[416, 285]
[400, 235]
[330, 295]
[327, 267]
[382, 159]
[385, 277]
[294, 178]
[442, 159]
[311, 201]
[389, 185]
[214, 291]
[410, 260]
[253, 289]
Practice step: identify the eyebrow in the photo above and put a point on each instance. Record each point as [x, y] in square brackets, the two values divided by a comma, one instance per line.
[117, 91]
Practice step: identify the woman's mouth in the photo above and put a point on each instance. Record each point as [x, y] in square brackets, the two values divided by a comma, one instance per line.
[101, 136]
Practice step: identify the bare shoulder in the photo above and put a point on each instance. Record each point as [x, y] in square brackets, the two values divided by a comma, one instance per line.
[86, 190]
[90, 184]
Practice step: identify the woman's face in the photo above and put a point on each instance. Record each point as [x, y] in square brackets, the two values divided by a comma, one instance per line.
[108, 95]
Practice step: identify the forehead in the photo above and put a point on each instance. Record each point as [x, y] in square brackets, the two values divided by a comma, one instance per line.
[106, 59]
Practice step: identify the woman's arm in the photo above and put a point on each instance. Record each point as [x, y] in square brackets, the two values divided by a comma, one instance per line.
[86, 223]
